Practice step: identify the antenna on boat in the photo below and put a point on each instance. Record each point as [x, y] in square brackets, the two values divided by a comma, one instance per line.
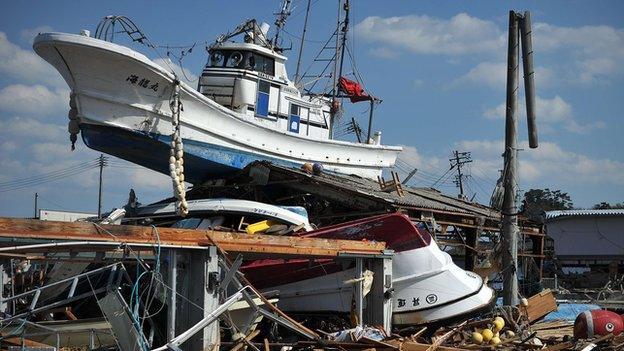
[303, 36]
[341, 42]
[280, 21]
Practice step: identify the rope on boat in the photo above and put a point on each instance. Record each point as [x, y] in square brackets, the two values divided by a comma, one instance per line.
[176, 155]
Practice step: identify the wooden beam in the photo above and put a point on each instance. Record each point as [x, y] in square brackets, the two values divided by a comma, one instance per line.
[52, 231]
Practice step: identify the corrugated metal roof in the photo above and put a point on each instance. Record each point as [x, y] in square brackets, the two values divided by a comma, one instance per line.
[583, 213]
[422, 198]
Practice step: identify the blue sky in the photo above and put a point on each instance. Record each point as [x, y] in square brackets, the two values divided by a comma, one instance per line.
[439, 66]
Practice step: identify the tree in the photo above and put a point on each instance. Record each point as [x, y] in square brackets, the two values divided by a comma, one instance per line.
[607, 206]
[538, 201]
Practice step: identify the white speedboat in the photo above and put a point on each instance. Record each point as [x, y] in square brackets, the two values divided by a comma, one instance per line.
[212, 213]
[245, 107]
[428, 286]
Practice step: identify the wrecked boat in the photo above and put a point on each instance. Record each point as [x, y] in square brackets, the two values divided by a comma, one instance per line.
[428, 286]
[245, 107]
[224, 213]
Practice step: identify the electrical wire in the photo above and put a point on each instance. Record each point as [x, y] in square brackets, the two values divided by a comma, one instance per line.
[43, 178]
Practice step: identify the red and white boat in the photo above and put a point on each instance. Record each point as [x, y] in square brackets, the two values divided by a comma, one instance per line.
[428, 286]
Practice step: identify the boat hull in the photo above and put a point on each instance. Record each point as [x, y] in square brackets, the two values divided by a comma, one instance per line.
[428, 286]
[122, 90]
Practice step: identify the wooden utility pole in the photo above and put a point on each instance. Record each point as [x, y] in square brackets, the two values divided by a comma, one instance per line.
[510, 230]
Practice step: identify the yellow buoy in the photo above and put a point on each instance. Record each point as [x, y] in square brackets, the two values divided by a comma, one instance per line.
[487, 335]
[499, 323]
[495, 340]
[477, 338]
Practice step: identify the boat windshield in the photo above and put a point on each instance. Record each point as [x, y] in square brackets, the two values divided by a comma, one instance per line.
[242, 59]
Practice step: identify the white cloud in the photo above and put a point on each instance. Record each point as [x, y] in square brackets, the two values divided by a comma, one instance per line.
[384, 52]
[547, 165]
[23, 128]
[551, 114]
[494, 75]
[25, 65]
[34, 100]
[28, 35]
[462, 34]
[595, 51]
[8, 147]
[185, 74]
[585, 54]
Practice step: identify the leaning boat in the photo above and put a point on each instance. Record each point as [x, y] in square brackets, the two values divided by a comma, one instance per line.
[245, 107]
[428, 286]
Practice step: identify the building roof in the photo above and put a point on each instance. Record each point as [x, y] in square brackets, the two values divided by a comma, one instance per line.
[584, 213]
[421, 198]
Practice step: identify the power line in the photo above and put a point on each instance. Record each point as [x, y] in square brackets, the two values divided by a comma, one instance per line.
[59, 174]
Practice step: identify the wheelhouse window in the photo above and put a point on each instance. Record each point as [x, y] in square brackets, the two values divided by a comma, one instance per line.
[242, 59]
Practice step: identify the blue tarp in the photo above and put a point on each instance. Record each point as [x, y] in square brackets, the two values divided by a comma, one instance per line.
[569, 311]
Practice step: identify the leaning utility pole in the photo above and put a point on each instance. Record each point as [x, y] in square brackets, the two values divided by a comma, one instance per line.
[101, 164]
[517, 23]
[459, 159]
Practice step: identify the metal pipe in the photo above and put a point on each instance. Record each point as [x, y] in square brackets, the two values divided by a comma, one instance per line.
[359, 291]
[210, 318]
[173, 277]
[93, 243]
[529, 74]
[370, 121]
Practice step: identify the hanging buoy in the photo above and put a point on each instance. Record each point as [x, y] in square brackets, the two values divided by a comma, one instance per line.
[73, 127]
[176, 153]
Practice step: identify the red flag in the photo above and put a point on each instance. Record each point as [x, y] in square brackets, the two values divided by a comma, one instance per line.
[353, 90]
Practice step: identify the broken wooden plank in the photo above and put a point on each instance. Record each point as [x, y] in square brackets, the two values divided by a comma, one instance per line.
[53, 231]
[416, 346]
[539, 305]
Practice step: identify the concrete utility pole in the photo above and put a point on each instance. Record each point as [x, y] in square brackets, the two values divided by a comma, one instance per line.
[102, 164]
[510, 230]
[459, 159]
[36, 209]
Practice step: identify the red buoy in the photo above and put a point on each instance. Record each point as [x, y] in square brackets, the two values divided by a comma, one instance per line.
[590, 324]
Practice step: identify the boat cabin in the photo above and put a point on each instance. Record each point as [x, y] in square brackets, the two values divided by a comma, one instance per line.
[251, 80]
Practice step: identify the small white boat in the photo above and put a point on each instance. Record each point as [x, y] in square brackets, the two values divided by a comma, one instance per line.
[209, 213]
[245, 108]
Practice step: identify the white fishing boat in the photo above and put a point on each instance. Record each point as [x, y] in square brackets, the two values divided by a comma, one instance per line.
[245, 107]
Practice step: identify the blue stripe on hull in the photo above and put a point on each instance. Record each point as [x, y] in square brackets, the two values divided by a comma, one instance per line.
[202, 161]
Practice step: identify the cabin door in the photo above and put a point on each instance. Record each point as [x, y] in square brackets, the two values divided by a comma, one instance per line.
[262, 100]
[294, 119]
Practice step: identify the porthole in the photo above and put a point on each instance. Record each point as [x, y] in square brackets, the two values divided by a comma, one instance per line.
[216, 59]
[235, 59]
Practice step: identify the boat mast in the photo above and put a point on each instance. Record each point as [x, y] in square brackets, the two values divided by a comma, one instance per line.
[280, 21]
[341, 41]
[303, 35]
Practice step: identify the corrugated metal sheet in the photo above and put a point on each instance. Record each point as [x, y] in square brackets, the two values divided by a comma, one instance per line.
[583, 213]
[422, 198]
